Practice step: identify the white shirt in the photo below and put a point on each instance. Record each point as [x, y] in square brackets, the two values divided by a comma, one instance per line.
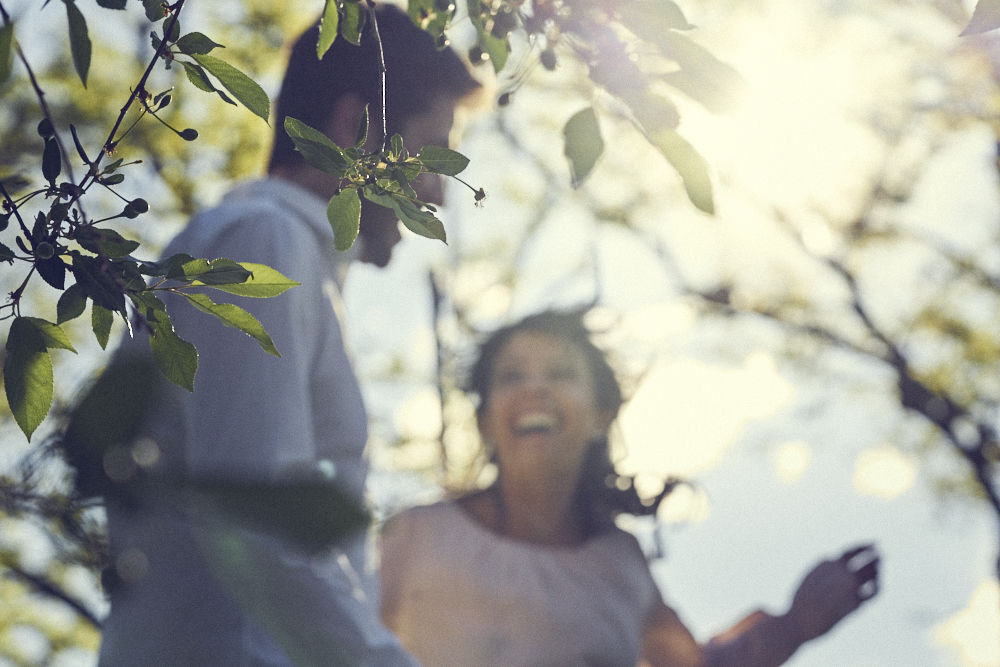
[460, 595]
[252, 417]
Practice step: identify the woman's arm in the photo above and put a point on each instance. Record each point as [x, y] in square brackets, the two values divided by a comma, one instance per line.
[831, 591]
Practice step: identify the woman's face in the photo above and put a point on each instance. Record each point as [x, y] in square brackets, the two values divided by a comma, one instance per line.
[541, 410]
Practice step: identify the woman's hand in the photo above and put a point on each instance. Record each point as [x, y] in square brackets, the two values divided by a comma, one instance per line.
[833, 589]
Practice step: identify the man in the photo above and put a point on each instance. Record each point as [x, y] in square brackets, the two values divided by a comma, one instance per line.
[253, 417]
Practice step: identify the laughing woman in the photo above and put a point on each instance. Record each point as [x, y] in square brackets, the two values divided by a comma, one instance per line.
[532, 571]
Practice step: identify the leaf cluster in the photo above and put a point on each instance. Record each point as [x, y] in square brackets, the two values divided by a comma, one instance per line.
[90, 262]
[624, 45]
[382, 177]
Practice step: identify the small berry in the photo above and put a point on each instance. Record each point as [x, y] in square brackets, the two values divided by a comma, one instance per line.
[189, 134]
[45, 128]
[44, 250]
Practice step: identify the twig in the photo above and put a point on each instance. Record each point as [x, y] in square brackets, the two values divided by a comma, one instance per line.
[52, 590]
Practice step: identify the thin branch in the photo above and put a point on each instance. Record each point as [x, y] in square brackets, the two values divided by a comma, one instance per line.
[49, 588]
[381, 69]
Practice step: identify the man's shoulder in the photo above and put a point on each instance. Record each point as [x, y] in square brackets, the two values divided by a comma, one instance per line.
[256, 209]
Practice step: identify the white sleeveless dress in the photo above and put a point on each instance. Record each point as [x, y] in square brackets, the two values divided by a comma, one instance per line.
[459, 595]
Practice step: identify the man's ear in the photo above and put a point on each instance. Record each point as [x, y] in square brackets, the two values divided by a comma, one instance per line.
[342, 128]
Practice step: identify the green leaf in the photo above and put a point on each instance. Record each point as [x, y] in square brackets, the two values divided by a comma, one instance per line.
[317, 150]
[327, 28]
[79, 147]
[648, 19]
[362, 136]
[27, 375]
[79, 40]
[155, 10]
[189, 270]
[985, 17]
[51, 161]
[419, 222]
[236, 318]
[175, 358]
[314, 514]
[344, 214]
[442, 160]
[264, 282]
[242, 87]
[584, 144]
[701, 76]
[196, 75]
[222, 271]
[101, 320]
[353, 23]
[52, 334]
[52, 271]
[105, 241]
[195, 43]
[71, 304]
[690, 165]
[6, 50]
[112, 4]
[96, 278]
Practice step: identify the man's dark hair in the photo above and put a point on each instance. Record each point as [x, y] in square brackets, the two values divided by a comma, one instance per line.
[416, 74]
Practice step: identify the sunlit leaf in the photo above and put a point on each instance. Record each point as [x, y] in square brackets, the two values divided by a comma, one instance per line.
[195, 43]
[223, 271]
[52, 334]
[362, 135]
[701, 76]
[648, 19]
[196, 75]
[690, 165]
[242, 87]
[234, 317]
[101, 320]
[584, 144]
[264, 282]
[175, 358]
[71, 304]
[985, 17]
[6, 50]
[353, 22]
[317, 150]
[328, 25]
[79, 40]
[27, 375]
[442, 160]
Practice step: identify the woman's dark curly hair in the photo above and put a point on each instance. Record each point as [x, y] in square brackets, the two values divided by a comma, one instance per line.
[601, 492]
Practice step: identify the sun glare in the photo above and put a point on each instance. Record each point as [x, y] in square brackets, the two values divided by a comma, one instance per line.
[974, 632]
[793, 140]
[792, 460]
[685, 414]
[884, 472]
